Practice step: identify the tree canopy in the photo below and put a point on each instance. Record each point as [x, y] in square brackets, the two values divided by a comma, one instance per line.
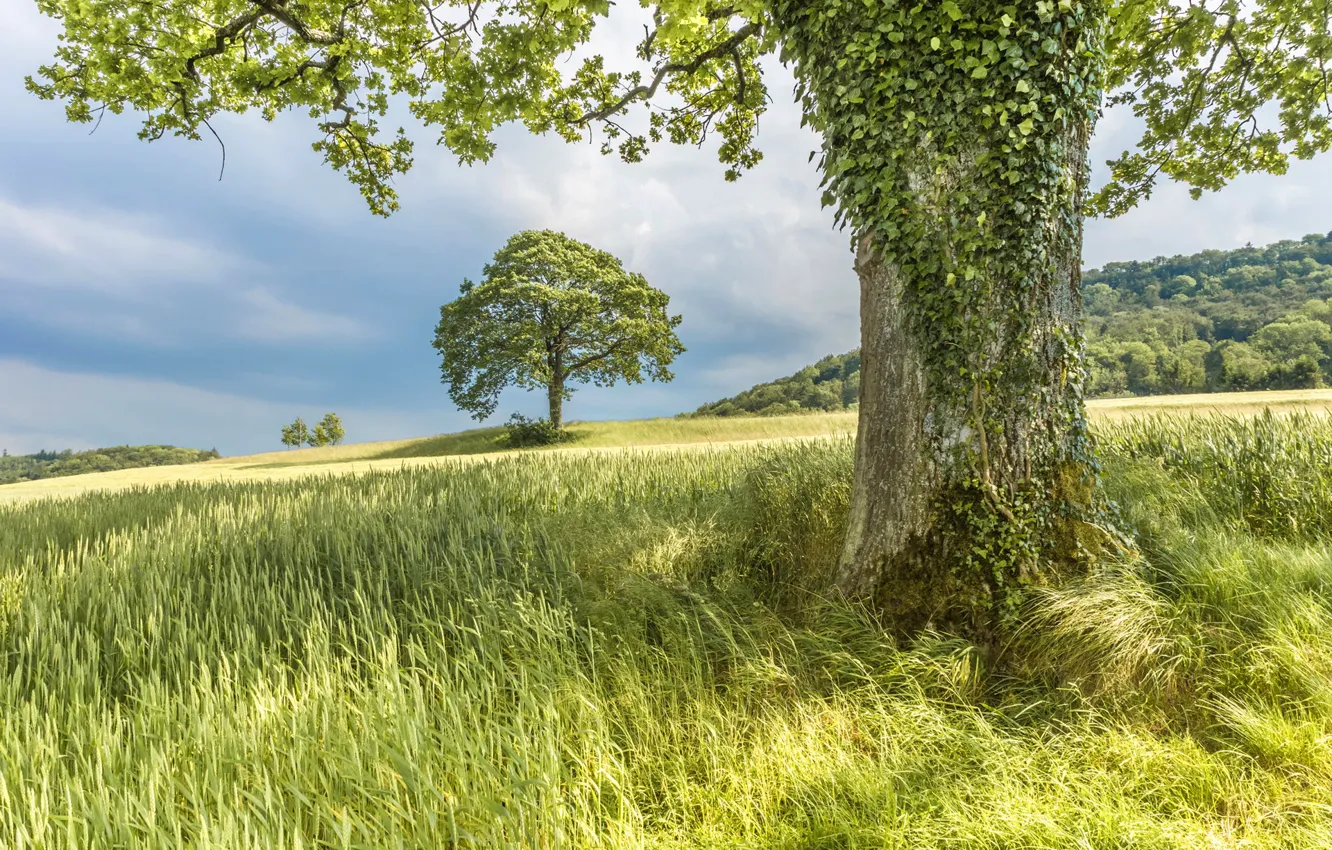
[551, 311]
[1222, 87]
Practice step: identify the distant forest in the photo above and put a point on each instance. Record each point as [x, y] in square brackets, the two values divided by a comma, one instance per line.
[1247, 319]
[831, 384]
[46, 464]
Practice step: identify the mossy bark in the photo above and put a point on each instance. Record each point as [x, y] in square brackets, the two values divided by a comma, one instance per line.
[968, 492]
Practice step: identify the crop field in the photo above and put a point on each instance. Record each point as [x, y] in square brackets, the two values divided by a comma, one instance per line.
[637, 650]
[600, 437]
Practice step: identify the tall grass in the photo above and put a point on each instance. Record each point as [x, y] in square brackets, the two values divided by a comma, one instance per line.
[634, 650]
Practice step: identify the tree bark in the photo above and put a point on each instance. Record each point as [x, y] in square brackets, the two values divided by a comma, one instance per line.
[555, 394]
[923, 465]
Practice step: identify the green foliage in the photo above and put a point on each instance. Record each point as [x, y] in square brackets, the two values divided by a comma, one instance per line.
[552, 310]
[328, 431]
[332, 426]
[1247, 319]
[297, 434]
[954, 142]
[44, 464]
[464, 68]
[579, 651]
[1223, 89]
[833, 383]
[523, 433]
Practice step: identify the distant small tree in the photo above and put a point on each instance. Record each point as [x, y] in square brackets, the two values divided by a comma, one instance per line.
[552, 311]
[331, 428]
[296, 434]
[319, 437]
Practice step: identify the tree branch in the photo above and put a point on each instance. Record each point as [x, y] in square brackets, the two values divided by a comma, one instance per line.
[595, 358]
[739, 77]
[644, 92]
[280, 12]
[221, 36]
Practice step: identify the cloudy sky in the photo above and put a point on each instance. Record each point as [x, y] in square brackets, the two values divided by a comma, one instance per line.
[144, 301]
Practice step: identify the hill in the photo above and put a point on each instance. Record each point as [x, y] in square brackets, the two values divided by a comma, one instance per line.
[831, 384]
[1216, 321]
[44, 464]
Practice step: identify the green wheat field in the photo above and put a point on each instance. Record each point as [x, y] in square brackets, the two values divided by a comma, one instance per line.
[636, 649]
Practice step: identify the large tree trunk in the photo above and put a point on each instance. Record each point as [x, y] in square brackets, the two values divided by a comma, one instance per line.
[926, 470]
[955, 144]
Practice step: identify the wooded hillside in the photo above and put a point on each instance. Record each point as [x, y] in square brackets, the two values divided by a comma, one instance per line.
[46, 464]
[1216, 321]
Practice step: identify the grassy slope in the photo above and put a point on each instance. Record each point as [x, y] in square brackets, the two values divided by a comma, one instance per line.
[483, 443]
[479, 444]
[563, 650]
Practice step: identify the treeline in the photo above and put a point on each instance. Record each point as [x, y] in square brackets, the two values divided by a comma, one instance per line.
[831, 384]
[1248, 319]
[44, 464]
[1217, 321]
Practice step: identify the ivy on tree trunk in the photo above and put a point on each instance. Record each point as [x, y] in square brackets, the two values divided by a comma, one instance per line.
[955, 146]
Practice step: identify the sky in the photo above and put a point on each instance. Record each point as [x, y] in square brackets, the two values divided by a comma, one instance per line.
[144, 301]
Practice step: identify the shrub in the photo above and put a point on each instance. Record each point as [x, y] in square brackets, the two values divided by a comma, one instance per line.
[523, 433]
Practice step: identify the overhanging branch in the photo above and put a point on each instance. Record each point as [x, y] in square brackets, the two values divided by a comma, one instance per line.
[644, 92]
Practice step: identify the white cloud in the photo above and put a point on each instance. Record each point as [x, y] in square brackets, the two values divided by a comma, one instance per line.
[108, 252]
[51, 409]
[739, 372]
[739, 260]
[268, 318]
[1257, 208]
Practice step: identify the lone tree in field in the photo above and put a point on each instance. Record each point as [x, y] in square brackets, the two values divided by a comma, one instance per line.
[549, 312]
[955, 137]
[296, 434]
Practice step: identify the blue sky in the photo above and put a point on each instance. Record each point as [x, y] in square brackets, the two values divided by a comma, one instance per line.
[144, 301]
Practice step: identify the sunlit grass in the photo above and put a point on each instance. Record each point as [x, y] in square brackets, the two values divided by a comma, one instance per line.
[634, 649]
